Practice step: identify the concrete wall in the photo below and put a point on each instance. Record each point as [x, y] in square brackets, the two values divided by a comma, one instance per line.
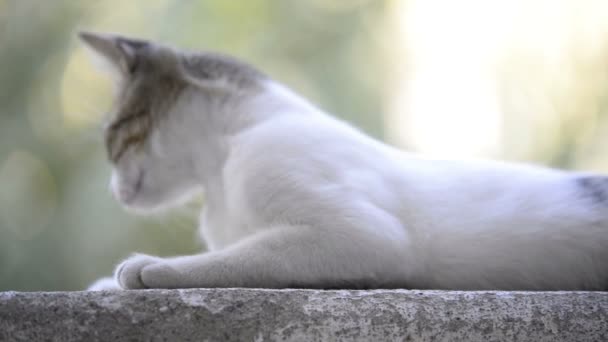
[303, 315]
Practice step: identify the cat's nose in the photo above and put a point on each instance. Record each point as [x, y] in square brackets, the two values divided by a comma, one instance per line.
[125, 195]
[122, 193]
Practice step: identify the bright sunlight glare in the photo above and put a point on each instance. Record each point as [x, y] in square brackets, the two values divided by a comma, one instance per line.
[447, 102]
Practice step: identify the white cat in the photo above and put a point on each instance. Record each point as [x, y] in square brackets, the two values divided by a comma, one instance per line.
[297, 198]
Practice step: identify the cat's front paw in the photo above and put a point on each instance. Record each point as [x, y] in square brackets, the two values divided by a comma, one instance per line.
[104, 284]
[128, 274]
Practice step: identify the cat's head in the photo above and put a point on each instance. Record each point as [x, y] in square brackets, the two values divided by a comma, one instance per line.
[161, 92]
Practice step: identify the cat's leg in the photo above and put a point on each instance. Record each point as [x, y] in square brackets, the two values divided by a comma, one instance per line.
[106, 283]
[285, 256]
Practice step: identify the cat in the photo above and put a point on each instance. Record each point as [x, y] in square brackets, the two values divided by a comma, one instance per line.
[297, 198]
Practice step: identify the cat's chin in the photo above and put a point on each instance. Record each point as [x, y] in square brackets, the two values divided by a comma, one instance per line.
[140, 207]
[143, 211]
[146, 209]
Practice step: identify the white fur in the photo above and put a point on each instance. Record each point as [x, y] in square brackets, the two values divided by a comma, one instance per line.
[104, 284]
[295, 197]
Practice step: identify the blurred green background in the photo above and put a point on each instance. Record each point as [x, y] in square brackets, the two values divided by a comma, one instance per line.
[516, 80]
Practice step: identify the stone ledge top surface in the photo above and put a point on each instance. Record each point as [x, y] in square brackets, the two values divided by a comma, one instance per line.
[303, 315]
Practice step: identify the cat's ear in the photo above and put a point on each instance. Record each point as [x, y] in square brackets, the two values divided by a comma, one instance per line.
[119, 51]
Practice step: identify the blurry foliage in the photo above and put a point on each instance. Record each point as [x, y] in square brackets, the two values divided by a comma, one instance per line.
[554, 86]
[59, 227]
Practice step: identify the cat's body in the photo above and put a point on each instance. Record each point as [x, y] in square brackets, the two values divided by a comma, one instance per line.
[296, 198]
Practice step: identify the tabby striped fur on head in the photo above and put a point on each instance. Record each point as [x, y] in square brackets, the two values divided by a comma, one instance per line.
[151, 79]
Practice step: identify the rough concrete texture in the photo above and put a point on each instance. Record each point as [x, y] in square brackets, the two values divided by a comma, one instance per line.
[303, 315]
